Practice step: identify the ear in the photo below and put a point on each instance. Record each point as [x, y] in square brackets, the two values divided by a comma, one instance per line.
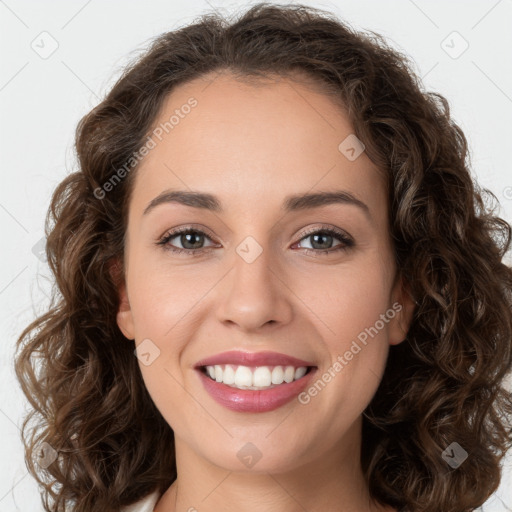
[403, 305]
[124, 315]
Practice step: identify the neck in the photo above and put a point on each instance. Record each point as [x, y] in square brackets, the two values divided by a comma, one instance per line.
[330, 481]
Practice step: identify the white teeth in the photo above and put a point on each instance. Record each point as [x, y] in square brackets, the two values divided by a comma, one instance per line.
[243, 376]
[289, 373]
[228, 376]
[300, 372]
[277, 375]
[261, 377]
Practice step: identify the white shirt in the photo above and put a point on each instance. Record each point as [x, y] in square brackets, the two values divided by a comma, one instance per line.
[146, 504]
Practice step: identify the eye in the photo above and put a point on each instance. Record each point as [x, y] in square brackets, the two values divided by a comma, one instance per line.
[321, 240]
[192, 240]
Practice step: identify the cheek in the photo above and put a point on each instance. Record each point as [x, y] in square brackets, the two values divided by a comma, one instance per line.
[353, 315]
[348, 299]
[161, 294]
[356, 340]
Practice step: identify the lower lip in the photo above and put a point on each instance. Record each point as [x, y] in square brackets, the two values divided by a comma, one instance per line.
[250, 400]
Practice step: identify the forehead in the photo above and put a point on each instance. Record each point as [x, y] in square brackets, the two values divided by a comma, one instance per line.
[252, 143]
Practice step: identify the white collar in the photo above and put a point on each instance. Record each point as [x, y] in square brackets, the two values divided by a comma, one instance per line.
[146, 504]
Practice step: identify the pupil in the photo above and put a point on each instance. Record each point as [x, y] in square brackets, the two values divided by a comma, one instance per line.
[315, 237]
[186, 237]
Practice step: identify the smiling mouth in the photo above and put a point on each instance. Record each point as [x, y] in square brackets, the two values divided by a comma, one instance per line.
[255, 378]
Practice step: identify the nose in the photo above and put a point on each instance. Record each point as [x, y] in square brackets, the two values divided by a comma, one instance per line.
[255, 292]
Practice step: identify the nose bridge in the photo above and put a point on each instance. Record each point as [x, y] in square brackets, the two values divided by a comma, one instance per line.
[252, 264]
[255, 293]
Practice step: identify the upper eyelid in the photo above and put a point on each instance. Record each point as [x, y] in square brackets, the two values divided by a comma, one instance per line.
[192, 228]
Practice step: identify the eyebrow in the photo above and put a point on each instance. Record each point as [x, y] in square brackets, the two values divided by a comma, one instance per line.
[291, 203]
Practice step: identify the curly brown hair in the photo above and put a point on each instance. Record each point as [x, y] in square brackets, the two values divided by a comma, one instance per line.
[444, 383]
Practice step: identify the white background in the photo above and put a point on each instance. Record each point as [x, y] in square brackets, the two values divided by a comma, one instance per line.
[41, 101]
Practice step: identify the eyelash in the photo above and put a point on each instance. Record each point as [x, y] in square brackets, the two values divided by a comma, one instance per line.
[346, 244]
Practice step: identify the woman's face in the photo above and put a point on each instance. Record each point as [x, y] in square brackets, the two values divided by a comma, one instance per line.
[255, 275]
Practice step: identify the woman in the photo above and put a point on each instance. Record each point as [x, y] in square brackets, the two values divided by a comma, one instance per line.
[279, 287]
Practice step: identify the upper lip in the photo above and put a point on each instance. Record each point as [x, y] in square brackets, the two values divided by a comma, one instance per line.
[238, 357]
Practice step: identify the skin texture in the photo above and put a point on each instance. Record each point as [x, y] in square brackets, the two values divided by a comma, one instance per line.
[251, 145]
